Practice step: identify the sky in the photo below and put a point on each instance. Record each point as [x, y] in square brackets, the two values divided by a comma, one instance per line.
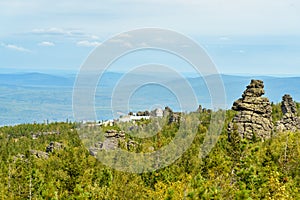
[241, 37]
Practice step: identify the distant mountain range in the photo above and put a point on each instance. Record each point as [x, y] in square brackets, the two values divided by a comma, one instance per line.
[29, 97]
[275, 87]
[34, 79]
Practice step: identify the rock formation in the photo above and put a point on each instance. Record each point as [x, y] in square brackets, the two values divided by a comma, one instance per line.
[254, 113]
[39, 154]
[53, 146]
[173, 117]
[111, 141]
[290, 121]
[288, 105]
[49, 149]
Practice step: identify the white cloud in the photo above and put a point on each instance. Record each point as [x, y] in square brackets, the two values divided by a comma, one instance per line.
[116, 41]
[69, 33]
[47, 31]
[57, 31]
[127, 44]
[15, 47]
[94, 37]
[144, 44]
[86, 43]
[185, 46]
[46, 44]
[122, 42]
[229, 17]
[124, 35]
[224, 38]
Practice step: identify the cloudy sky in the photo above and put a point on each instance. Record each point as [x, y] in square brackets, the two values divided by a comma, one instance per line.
[241, 37]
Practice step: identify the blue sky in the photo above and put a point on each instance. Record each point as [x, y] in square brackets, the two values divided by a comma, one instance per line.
[241, 37]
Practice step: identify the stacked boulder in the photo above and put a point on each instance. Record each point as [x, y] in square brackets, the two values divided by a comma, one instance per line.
[290, 121]
[254, 117]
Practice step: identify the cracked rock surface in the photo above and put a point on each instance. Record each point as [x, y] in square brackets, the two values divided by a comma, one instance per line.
[254, 113]
[290, 120]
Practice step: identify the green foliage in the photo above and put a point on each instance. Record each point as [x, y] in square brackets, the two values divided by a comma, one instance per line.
[276, 112]
[240, 169]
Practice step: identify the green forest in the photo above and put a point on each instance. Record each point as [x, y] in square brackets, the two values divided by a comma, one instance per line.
[236, 169]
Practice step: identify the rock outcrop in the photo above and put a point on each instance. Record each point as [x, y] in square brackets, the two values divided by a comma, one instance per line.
[49, 149]
[39, 154]
[53, 146]
[288, 105]
[290, 121]
[111, 142]
[173, 117]
[254, 113]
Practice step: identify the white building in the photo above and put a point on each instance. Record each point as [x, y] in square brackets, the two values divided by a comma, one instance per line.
[159, 112]
[124, 118]
[138, 118]
[107, 123]
[129, 118]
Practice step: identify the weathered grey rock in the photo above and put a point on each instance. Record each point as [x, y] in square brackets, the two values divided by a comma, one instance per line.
[39, 154]
[288, 105]
[114, 133]
[290, 121]
[19, 157]
[254, 113]
[167, 112]
[173, 117]
[111, 142]
[199, 109]
[38, 134]
[53, 146]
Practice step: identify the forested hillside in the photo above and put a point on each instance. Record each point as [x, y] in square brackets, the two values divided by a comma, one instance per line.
[240, 169]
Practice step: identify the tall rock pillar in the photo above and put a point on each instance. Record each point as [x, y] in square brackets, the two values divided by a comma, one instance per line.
[254, 113]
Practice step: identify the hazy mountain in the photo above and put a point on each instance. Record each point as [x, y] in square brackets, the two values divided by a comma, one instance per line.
[32, 97]
[34, 79]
